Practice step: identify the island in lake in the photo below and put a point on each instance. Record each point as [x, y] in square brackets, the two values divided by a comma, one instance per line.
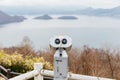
[67, 17]
[44, 17]
[5, 18]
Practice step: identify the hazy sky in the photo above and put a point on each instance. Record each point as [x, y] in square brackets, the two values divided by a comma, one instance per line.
[58, 3]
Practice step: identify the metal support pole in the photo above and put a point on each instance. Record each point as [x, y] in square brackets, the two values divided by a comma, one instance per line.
[60, 65]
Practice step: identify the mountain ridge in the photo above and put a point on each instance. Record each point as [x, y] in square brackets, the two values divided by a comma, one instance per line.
[5, 18]
[89, 11]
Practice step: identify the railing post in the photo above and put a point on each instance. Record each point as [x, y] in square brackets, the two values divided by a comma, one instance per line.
[8, 73]
[38, 67]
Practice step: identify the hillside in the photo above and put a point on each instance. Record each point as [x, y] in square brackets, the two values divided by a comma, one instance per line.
[67, 17]
[5, 18]
[113, 12]
[89, 11]
[101, 62]
[44, 17]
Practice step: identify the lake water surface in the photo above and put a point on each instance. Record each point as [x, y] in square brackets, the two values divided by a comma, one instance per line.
[92, 31]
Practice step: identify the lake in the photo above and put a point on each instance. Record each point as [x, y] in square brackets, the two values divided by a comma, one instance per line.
[87, 30]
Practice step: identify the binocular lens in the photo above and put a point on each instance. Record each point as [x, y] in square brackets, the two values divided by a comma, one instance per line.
[57, 41]
[64, 41]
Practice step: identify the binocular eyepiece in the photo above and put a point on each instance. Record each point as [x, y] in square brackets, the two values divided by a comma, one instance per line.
[64, 42]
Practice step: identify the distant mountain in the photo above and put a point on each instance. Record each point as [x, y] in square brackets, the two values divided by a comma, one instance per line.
[45, 17]
[114, 12]
[67, 17]
[5, 18]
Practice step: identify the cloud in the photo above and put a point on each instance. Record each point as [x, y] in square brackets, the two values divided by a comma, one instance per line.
[92, 3]
[39, 2]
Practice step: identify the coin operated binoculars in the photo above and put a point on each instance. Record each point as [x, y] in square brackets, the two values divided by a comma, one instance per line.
[61, 45]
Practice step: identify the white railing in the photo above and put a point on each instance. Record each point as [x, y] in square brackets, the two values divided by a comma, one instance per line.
[39, 72]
